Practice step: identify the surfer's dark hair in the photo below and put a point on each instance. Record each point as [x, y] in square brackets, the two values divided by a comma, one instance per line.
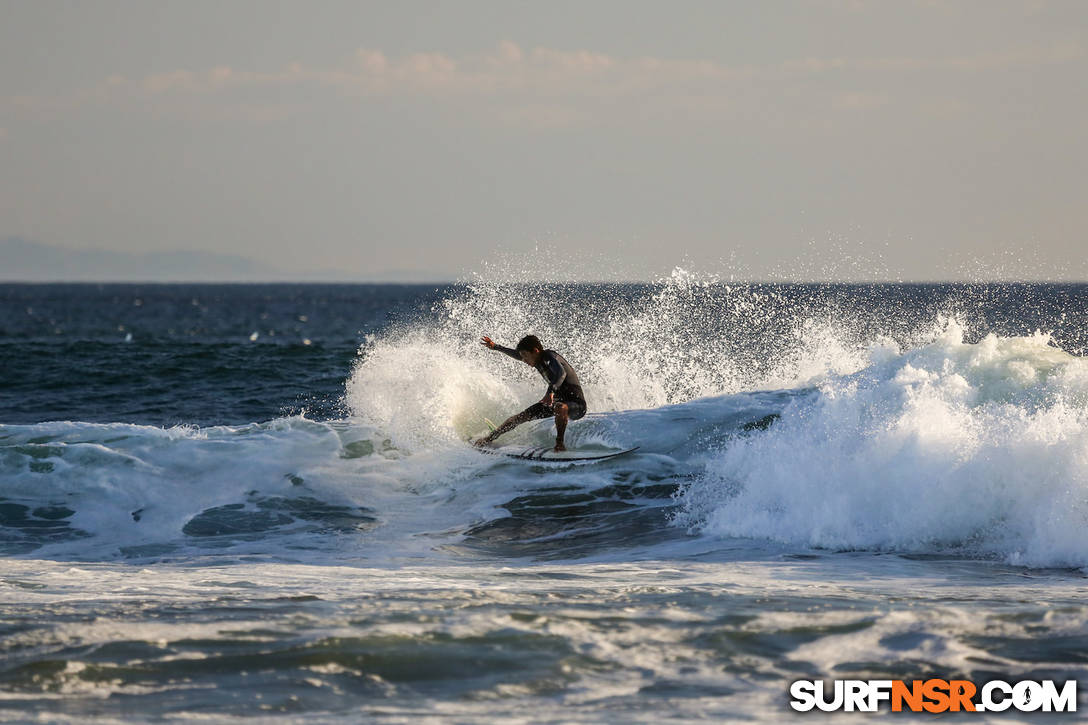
[530, 342]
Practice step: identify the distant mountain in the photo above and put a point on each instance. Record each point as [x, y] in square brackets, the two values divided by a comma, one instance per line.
[25, 261]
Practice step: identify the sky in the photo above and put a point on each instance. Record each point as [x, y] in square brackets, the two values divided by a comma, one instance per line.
[810, 140]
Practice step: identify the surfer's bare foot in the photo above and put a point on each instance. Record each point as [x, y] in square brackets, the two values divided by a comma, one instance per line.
[559, 447]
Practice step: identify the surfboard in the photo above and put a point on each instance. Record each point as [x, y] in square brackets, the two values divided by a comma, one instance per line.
[547, 454]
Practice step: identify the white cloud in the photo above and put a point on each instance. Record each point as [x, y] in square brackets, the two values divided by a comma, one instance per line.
[548, 85]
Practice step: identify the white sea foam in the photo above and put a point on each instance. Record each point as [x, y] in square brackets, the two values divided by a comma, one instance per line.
[950, 446]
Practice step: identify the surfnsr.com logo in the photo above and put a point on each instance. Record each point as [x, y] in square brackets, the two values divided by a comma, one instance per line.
[934, 695]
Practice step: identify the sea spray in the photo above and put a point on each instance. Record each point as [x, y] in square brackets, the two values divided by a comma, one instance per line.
[636, 347]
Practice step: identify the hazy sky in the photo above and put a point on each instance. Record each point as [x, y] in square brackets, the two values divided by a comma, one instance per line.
[922, 140]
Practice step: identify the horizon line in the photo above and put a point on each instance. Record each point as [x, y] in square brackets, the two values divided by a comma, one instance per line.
[453, 282]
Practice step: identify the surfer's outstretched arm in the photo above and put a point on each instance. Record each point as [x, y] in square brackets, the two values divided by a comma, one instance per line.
[488, 342]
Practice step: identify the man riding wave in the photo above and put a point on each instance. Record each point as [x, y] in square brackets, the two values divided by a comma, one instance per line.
[564, 398]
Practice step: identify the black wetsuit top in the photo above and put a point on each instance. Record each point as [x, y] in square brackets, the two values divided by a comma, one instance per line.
[562, 381]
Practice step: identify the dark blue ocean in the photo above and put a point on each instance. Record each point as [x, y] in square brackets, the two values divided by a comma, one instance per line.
[168, 354]
[257, 502]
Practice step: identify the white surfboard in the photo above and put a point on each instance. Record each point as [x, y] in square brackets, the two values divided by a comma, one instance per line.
[547, 453]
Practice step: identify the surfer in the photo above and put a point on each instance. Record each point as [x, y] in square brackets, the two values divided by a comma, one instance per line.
[564, 398]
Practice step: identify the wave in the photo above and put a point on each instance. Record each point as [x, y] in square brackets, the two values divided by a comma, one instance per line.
[805, 415]
[897, 427]
[977, 448]
[105, 490]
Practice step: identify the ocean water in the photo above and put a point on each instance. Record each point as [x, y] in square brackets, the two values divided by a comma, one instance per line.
[256, 503]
